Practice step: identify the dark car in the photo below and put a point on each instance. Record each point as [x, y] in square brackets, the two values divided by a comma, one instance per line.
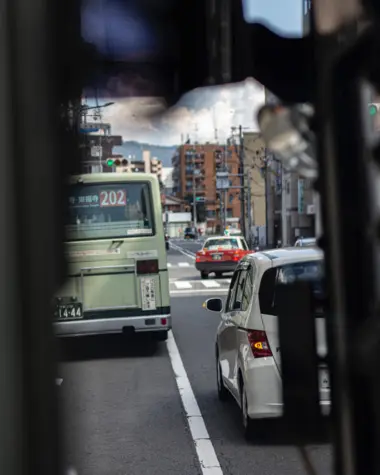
[190, 233]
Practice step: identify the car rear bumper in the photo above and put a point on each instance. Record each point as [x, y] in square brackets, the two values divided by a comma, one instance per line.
[102, 326]
[216, 266]
[263, 385]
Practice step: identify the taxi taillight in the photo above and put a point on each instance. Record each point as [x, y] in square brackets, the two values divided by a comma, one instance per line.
[237, 256]
[147, 267]
[199, 254]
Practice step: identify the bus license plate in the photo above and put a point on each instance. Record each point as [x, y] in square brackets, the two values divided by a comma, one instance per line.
[70, 311]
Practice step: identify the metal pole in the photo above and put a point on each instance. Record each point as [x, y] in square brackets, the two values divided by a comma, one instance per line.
[225, 191]
[225, 209]
[266, 204]
[194, 195]
[249, 210]
[100, 154]
[241, 171]
[221, 209]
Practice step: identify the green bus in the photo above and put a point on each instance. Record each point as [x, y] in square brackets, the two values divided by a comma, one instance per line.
[115, 244]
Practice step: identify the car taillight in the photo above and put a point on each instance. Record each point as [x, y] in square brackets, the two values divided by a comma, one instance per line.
[199, 254]
[147, 267]
[236, 256]
[259, 343]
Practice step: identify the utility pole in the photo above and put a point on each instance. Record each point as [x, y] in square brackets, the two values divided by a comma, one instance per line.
[225, 165]
[194, 193]
[242, 181]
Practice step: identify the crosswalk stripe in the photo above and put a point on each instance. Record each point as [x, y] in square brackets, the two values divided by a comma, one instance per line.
[210, 284]
[183, 285]
[183, 264]
[169, 265]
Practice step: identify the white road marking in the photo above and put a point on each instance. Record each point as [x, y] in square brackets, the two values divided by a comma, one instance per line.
[169, 265]
[205, 450]
[210, 284]
[187, 292]
[183, 264]
[185, 252]
[183, 285]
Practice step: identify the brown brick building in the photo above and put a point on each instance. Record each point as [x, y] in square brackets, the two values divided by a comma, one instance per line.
[198, 164]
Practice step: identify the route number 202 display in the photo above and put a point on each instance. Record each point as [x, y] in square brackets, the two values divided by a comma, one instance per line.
[113, 198]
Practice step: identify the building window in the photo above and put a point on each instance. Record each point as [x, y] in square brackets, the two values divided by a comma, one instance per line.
[210, 213]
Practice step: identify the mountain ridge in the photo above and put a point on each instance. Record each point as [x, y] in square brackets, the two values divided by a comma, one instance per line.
[134, 148]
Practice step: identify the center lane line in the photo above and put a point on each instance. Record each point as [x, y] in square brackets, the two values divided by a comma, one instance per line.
[206, 454]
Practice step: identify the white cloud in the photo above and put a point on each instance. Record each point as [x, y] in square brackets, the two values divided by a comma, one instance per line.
[197, 114]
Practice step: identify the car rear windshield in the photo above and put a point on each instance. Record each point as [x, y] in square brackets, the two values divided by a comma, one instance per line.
[312, 271]
[117, 210]
[222, 243]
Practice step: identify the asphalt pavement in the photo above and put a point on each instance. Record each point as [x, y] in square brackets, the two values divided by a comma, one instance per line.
[136, 408]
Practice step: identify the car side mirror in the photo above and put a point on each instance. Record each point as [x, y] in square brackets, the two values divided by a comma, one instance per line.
[214, 305]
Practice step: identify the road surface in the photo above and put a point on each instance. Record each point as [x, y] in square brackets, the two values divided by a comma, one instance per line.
[123, 411]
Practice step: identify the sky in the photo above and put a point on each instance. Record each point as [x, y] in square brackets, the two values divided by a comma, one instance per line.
[200, 112]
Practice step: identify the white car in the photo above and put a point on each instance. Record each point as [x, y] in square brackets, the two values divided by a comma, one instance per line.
[306, 242]
[247, 344]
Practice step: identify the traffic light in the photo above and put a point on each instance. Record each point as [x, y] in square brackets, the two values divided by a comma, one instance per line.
[116, 162]
[373, 109]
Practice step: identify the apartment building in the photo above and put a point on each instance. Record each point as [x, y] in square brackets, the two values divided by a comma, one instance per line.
[194, 171]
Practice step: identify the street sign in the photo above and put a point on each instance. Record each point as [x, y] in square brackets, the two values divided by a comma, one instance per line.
[301, 197]
[96, 151]
[88, 131]
[99, 126]
[222, 181]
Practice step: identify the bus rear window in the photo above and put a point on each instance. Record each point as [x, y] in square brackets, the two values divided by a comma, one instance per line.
[102, 211]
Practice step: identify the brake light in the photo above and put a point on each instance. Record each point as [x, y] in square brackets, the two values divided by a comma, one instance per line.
[199, 254]
[147, 267]
[259, 343]
[237, 256]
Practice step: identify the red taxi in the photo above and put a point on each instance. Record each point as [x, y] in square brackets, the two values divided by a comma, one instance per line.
[220, 255]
